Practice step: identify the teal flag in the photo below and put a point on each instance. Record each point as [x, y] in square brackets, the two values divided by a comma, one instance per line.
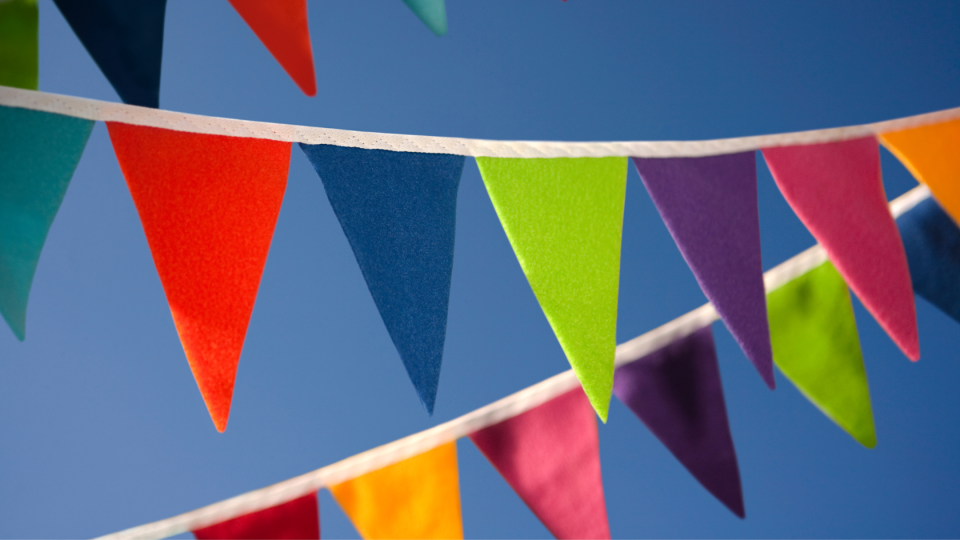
[38, 154]
[433, 13]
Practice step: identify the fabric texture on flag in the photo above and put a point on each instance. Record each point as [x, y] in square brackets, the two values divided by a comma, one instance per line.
[815, 345]
[125, 39]
[399, 210]
[564, 219]
[283, 28]
[677, 393]
[550, 455]
[709, 204]
[19, 44]
[415, 498]
[296, 519]
[932, 242]
[836, 190]
[38, 153]
[433, 13]
[932, 155]
[208, 205]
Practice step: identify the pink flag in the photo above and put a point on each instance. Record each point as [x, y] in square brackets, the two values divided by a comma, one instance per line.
[550, 456]
[299, 518]
[836, 190]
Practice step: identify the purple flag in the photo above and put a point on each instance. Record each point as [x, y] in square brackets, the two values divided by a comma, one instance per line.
[710, 207]
[676, 393]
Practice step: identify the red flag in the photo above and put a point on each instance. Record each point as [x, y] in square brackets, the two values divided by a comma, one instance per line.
[836, 190]
[299, 518]
[208, 204]
[282, 27]
[550, 455]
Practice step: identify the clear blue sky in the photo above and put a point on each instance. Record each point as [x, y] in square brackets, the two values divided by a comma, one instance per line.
[102, 424]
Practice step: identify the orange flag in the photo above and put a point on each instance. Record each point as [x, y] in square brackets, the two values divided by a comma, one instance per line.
[932, 154]
[416, 498]
[208, 205]
[282, 27]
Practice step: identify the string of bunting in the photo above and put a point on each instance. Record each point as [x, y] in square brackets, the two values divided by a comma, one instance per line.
[201, 183]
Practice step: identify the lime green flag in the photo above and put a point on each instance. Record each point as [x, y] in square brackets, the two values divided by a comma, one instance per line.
[564, 219]
[815, 344]
[19, 20]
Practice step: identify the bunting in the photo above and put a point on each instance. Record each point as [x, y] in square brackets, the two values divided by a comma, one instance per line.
[676, 392]
[564, 219]
[208, 204]
[296, 519]
[550, 456]
[836, 190]
[415, 498]
[399, 210]
[932, 242]
[815, 345]
[39, 152]
[125, 39]
[19, 44]
[284, 29]
[931, 154]
[433, 13]
[709, 204]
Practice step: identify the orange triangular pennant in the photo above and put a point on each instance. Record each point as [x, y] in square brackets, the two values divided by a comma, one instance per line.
[932, 154]
[208, 204]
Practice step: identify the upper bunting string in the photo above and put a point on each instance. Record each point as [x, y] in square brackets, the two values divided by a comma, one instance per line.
[489, 415]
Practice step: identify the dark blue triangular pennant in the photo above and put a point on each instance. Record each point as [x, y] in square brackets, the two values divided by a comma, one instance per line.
[932, 242]
[125, 39]
[398, 210]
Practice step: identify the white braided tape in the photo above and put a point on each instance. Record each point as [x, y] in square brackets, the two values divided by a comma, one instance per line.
[92, 109]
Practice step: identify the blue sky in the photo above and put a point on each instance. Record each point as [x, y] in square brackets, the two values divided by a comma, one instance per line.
[103, 427]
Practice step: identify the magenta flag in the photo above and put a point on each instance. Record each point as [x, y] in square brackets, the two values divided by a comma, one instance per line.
[550, 455]
[837, 192]
[709, 204]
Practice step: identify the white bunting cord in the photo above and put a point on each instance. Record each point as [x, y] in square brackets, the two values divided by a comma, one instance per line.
[489, 415]
[105, 111]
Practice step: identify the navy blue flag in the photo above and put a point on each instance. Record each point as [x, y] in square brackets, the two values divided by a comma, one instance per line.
[399, 210]
[932, 242]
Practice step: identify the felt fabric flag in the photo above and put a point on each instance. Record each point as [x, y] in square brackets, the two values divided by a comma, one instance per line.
[564, 219]
[125, 39]
[815, 345]
[836, 190]
[433, 13]
[676, 392]
[550, 455]
[38, 154]
[19, 44]
[208, 204]
[283, 28]
[932, 155]
[416, 498]
[932, 241]
[709, 204]
[296, 519]
[399, 210]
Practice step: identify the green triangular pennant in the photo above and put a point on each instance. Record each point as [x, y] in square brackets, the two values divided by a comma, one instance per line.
[19, 21]
[815, 344]
[433, 13]
[564, 219]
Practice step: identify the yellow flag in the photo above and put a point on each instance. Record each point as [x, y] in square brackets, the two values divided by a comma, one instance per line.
[416, 498]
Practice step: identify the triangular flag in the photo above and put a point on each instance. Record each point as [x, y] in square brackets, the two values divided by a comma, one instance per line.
[709, 204]
[125, 39]
[38, 154]
[550, 455]
[208, 204]
[296, 519]
[19, 43]
[283, 28]
[399, 210]
[676, 392]
[433, 13]
[815, 345]
[932, 155]
[836, 190]
[932, 241]
[564, 219]
[416, 498]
